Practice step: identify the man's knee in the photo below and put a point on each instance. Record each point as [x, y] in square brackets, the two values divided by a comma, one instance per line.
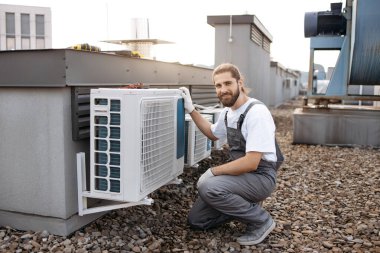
[210, 192]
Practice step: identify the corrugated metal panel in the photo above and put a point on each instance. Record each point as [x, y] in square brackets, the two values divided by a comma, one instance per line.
[204, 95]
[266, 44]
[80, 104]
[201, 94]
[80, 112]
[256, 35]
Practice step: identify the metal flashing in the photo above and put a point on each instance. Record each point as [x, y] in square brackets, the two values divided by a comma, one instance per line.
[239, 19]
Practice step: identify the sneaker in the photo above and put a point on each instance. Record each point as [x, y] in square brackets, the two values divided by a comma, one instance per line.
[254, 235]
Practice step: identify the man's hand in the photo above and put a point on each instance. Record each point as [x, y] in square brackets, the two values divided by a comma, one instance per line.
[189, 107]
[204, 176]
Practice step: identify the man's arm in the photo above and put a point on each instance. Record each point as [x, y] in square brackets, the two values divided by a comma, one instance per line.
[203, 124]
[245, 164]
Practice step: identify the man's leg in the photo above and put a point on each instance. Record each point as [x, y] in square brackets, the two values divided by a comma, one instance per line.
[239, 197]
[203, 216]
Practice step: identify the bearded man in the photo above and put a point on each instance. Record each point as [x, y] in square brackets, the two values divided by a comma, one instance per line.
[235, 189]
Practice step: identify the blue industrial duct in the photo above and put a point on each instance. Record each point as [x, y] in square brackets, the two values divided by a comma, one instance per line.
[365, 68]
[359, 44]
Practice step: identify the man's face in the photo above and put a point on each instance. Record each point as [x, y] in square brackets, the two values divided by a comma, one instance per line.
[227, 88]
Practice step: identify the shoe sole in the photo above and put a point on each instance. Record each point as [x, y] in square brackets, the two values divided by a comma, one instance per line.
[270, 229]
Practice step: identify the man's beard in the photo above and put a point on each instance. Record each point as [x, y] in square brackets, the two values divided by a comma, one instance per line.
[229, 102]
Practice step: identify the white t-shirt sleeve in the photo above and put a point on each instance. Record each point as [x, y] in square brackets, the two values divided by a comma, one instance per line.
[219, 128]
[259, 131]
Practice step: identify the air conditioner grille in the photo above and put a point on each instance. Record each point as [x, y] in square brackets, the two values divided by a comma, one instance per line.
[115, 105]
[107, 148]
[200, 145]
[158, 142]
[186, 139]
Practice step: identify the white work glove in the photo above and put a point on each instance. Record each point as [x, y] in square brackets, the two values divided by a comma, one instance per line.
[189, 107]
[204, 176]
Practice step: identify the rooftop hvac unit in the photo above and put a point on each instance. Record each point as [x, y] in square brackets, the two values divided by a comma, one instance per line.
[215, 113]
[137, 140]
[197, 145]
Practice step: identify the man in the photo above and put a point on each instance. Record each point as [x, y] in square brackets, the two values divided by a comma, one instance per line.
[234, 190]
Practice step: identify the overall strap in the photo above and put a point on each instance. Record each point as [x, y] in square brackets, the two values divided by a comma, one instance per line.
[280, 157]
[242, 116]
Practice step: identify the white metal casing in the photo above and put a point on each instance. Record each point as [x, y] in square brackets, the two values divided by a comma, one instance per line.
[135, 147]
[215, 113]
[197, 145]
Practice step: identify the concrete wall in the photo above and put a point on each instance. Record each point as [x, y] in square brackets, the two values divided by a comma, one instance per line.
[341, 126]
[37, 151]
[38, 160]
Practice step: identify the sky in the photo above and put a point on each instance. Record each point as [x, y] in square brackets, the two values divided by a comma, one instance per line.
[181, 22]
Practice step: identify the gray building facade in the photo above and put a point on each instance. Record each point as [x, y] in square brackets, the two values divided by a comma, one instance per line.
[25, 27]
[285, 84]
[245, 42]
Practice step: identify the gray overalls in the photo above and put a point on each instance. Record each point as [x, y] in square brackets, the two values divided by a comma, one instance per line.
[226, 197]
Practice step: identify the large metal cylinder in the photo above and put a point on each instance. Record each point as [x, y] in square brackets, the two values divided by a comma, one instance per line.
[365, 65]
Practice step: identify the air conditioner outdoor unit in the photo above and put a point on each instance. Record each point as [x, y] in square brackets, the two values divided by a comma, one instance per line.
[215, 113]
[197, 145]
[137, 141]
